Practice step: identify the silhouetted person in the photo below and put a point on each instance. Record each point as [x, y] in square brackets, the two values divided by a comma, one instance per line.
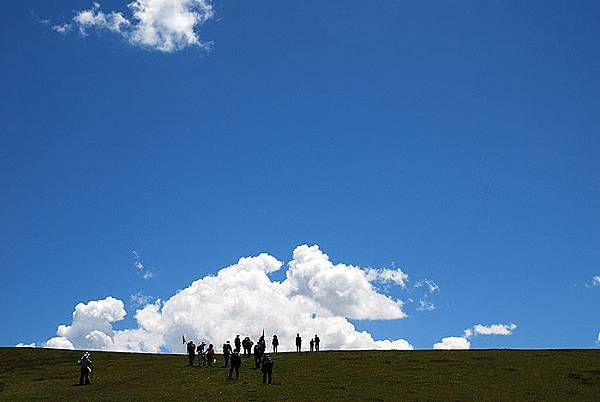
[85, 369]
[262, 343]
[267, 368]
[236, 363]
[226, 353]
[275, 343]
[238, 343]
[298, 343]
[317, 342]
[312, 344]
[258, 353]
[247, 345]
[191, 350]
[210, 355]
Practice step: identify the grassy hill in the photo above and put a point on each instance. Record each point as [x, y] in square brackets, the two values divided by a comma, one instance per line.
[366, 375]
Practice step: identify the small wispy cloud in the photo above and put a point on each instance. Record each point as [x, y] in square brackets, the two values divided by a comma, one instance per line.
[595, 282]
[163, 25]
[139, 299]
[139, 266]
[428, 284]
[425, 305]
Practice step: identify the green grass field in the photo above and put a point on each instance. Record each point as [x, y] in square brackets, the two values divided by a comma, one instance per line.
[367, 375]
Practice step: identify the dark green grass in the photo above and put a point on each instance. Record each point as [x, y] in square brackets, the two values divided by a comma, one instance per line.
[368, 375]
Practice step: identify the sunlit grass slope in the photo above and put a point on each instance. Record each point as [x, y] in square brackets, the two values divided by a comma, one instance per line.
[367, 375]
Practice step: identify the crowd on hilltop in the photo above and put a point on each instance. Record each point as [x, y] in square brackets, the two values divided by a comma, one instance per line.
[232, 356]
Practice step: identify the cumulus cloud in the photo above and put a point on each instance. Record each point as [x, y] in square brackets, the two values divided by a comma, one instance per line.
[316, 297]
[453, 343]
[164, 25]
[25, 345]
[494, 329]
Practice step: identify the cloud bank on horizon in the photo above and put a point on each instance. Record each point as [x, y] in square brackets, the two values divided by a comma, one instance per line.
[316, 297]
[163, 25]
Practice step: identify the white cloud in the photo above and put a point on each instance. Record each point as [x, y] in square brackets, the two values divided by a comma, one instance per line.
[596, 281]
[431, 286]
[59, 342]
[425, 305]
[453, 342]
[139, 299]
[386, 275]
[317, 297]
[494, 329]
[25, 345]
[139, 266]
[164, 25]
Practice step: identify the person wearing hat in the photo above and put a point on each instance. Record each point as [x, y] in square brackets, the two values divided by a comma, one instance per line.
[226, 353]
[85, 369]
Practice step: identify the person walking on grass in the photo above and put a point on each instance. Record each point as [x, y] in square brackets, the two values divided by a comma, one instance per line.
[317, 342]
[191, 350]
[235, 363]
[201, 354]
[275, 343]
[298, 343]
[85, 369]
[226, 353]
[210, 355]
[258, 354]
[237, 343]
[267, 368]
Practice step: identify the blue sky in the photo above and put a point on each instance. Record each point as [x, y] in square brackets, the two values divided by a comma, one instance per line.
[457, 141]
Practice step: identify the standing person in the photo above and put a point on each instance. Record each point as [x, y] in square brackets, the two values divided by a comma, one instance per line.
[210, 355]
[238, 343]
[317, 342]
[267, 368]
[258, 353]
[85, 369]
[236, 363]
[226, 353]
[312, 345]
[275, 343]
[191, 350]
[201, 354]
[298, 343]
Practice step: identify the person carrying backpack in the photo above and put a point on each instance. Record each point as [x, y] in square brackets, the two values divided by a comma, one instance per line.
[226, 353]
[267, 368]
[85, 369]
[235, 363]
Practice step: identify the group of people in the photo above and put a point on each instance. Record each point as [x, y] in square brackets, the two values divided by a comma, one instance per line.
[231, 356]
[206, 357]
[314, 343]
